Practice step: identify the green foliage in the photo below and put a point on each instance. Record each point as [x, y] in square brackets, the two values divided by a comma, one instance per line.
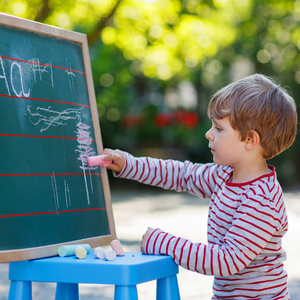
[156, 62]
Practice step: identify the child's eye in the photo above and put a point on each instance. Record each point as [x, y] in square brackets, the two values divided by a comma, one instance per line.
[218, 128]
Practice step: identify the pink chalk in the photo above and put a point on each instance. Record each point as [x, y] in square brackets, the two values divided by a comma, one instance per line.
[117, 247]
[98, 160]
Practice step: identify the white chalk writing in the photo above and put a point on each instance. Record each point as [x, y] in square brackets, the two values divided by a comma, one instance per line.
[55, 193]
[21, 92]
[71, 76]
[86, 186]
[67, 194]
[47, 117]
[3, 76]
[39, 69]
[19, 74]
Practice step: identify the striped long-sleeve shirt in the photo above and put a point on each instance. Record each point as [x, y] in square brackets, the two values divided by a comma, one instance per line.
[246, 223]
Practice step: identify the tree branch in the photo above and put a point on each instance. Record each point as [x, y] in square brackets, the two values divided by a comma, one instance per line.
[94, 35]
[43, 13]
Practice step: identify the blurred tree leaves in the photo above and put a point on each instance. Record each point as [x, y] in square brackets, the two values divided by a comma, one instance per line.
[155, 59]
[165, 37]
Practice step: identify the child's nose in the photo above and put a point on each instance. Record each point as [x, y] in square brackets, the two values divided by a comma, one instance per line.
[209, 135]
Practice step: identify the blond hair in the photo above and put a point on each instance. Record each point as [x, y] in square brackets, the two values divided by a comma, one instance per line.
[258, 103]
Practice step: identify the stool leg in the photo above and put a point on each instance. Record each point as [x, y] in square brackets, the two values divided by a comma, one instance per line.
[67, 291]
[20, 290]
[167, 288]
[126, 292]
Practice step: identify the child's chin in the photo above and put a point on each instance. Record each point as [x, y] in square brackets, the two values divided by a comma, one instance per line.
[218, 162]
[215, 160]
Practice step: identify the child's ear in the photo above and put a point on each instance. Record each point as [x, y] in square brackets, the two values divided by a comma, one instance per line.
[252, 140]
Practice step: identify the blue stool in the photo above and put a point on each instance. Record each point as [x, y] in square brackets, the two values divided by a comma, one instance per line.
[125, 272]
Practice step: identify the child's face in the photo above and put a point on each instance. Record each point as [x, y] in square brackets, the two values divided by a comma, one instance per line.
[225, 143]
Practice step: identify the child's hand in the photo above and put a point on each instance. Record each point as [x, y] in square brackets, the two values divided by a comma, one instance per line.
[117, 158]
[144, 238]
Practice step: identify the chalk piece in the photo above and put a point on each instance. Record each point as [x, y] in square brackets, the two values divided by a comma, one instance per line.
[99, 252]
[117, 247]
[98, 160]
[110, 255]
[68, 250]
[80, 252]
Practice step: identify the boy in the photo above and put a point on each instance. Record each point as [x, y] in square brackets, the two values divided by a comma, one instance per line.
[253, 120]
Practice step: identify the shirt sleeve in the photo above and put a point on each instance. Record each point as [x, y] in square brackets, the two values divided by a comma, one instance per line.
[197, 179]
[251, 231]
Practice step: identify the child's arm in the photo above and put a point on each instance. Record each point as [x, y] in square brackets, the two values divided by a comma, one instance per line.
[241, 245]
[204, 259]
[197, 179]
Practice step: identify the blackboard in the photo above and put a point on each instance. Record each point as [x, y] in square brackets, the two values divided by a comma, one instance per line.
[49, 126]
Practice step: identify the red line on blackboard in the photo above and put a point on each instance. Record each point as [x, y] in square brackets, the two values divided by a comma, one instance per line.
[46, 65]
[52, 212]
[46, 137]
[45, 174]
[45, 100]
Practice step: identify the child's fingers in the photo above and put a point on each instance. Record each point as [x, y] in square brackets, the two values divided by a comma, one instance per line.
[144, 238]
[115, 160]
[112, 167]
[113, 155]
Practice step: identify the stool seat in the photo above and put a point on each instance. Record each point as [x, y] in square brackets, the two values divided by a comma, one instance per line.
[125, 272]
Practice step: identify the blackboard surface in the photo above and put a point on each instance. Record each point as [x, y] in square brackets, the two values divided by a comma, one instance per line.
[49, 127]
